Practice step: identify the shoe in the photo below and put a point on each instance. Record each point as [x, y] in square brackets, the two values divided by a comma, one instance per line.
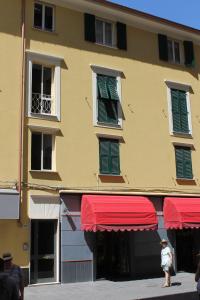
[165, 285]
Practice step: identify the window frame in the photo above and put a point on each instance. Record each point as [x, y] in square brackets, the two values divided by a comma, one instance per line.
[182, 87]
[97, 70]
[183, 146]
[110, 139]
[53, 160]
[55, 64]
[44, 5]
[114, 32]
[173, 61]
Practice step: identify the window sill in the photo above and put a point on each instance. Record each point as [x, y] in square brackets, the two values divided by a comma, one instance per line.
[107, 46]
[186, 181]
[43, 171]
[111, 178]
[182, 135]
[45, 31]
[109, 175]
[43, 116]
[111, 126]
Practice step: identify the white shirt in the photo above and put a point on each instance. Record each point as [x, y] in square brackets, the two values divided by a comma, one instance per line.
[165, 256]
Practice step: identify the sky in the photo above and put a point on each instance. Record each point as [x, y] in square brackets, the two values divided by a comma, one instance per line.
[186, 12]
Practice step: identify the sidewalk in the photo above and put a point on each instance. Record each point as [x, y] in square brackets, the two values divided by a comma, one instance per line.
[183, 288]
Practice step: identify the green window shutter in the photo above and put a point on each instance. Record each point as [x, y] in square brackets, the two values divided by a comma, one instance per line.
[179, 111]
[102, 112]
[114, 157]
[90, 35]
[179, 162]
[102, 87]
[163, 47]
[104, 154]
[189, 53]
[112, 88]
[183, 112]
[175, 110]
[121, 36]
[107, 99]
[183, 163]
[187, 163]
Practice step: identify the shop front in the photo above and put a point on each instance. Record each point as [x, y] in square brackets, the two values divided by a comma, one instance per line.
[182, 217]
[108, 237]
[118, 237]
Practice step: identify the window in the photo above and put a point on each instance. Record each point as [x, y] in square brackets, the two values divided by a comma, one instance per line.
[183, 162]
[109, 156]
[42, 96]
[43, 16]
[178, 95]
[174, 51]
[179, 111]
[104, 33]
[43, 86]
[107, 97]
[178, 52]
[41, 151]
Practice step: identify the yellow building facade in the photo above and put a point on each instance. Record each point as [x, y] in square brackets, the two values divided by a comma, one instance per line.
[110, 99]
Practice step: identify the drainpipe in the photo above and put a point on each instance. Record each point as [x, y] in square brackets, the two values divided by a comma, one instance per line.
[22, 102]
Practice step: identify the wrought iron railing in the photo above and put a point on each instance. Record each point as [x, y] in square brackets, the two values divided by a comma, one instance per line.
[41, 104]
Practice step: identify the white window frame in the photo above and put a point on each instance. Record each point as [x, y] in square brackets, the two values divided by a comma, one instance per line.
[43, 16]
[186, 88]
[173, 51]
[55, 64]
[53, 157]
[97, 70]
[113, 26]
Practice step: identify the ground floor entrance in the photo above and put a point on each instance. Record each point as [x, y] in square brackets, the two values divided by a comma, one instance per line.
[112, 255]
[187, 248]
[43, 251]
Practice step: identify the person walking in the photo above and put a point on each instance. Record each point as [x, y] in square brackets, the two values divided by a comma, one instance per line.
[8, 288]
[166, 262]
[197, 278]
[15, 273]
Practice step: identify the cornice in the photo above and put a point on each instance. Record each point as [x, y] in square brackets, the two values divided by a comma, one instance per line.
[131, 17]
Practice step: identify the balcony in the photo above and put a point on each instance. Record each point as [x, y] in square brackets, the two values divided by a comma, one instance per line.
[41, 104]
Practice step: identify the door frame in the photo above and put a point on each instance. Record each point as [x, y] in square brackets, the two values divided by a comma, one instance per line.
[57, 251]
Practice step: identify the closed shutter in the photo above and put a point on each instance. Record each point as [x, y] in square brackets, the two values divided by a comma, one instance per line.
[175, 111]
[121, 36]
[114, 157]
[163, 47]
[179, 111]
[90, 28]
[183, 112]
[104, 153]
[183, 163]
[102, 111]
[179, 162]
[187, 163]
[189, 53]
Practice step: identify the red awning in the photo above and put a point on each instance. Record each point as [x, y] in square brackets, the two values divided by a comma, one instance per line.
[114, 213]
[182, 213]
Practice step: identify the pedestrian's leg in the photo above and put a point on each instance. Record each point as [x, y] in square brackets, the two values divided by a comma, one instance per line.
[168, 279]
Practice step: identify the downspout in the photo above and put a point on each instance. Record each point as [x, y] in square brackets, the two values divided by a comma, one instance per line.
[22, 103]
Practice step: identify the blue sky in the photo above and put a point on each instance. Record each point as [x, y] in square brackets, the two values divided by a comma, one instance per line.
[182, 11]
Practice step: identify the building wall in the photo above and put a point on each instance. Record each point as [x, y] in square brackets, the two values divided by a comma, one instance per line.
[76, 245]
[13, 233]
[147, 152]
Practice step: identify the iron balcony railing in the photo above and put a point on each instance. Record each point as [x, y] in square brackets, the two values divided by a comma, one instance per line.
[41, 104]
